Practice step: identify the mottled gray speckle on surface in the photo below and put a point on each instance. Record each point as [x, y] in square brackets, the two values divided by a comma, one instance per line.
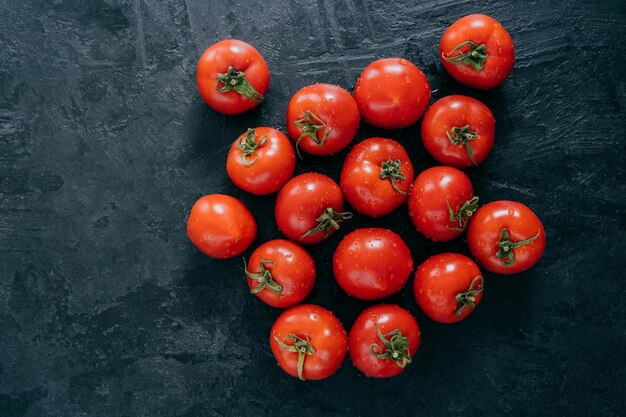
[106, 309]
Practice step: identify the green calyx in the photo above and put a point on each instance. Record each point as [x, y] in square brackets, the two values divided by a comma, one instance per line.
[505, 247]
[468, 297]
[396, 347]
[462, 216]
[310, 124]
[264, 278]
[391, 170]
[476, 56]
[235, 80]
[329, 219]
[463, 136]
[300, 346]
[249, 146]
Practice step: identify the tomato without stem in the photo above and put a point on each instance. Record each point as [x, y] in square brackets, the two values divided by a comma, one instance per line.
[376, 176]
[308, 342]
[371, 264]
[221, 226]
[280, 273]
[458, 131]
[383, 340]
[441, 202]
[477, 51]
[506, 237]
[309, 208]
[232, 76]
[392, 93]
[261, 160]
[322, 119]
[448, 287]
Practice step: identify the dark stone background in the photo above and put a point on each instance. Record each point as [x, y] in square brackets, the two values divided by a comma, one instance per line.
[106, 309]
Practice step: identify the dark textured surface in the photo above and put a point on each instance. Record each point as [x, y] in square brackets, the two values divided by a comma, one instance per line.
[107, 310]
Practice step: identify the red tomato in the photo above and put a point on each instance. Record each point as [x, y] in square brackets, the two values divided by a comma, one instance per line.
[383, 339]
[392, 93]
[309, 342]
[232, 76]
[309, 208]
[371, 264]
[221, 226]
[441, 202]
[477, 51]
[261, 160]
[458, 131]
[448, 287]
[376, 176]
[280, 273]
[322, 119]
[506, 237]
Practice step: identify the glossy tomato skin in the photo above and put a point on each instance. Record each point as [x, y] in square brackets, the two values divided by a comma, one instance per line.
[242, 57]
[431, 193]
[452, 112]
[221, 226]
[267, 168]
[290, 266]
[392, 93]
[484, 235]
[302, 201]
[363, 335]
[482, 30]
[361, 180]
[372, 263]
[440, 279]
[325, 334]
[333, 109]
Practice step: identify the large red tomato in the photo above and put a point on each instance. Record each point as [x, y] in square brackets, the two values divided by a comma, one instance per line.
[506, 237]
[308, 342]
[376, 176]
[232, 76]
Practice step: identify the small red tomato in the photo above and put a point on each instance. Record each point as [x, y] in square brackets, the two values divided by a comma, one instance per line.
[261, 160]
[392, 93]
[506, 237]
[458, 131]
[221, 226]
[309, 208]
[448, 287]
[280, 273]
[441, 202]
[477, 51]
[383, 339]
[371, 264]
[322, 119]
[308, 342]
[232, 76]
[376, 176]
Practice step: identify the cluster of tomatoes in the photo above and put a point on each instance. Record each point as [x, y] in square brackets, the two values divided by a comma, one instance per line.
[377, 177]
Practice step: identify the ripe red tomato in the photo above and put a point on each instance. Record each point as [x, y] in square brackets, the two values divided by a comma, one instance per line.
[261, 160]
[392, 93]
[506, 237]
[221, 226]
[441, 202]
[371, 264]
[232, 76]
[376, 176]
[477, 51]
[322, 119]
[448, 287]
[309, 208]
[280, 273]
[458, 131]
[383, 339]
[308, 342]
